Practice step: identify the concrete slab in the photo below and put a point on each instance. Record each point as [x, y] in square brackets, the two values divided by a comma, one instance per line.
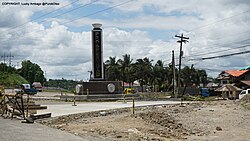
[14, 130]
[67, 108]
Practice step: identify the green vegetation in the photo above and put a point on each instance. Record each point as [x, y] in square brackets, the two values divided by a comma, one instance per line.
[28, 73]
[31, 72]
[158, 75]
[68, 85]
[11, 80]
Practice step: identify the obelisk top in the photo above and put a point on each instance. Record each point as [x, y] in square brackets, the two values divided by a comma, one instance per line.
[96, 25]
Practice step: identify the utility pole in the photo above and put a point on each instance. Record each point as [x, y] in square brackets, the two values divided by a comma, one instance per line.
[182, 40]
[173, 67]
[10, 56]
[3, 61]
[3, 57]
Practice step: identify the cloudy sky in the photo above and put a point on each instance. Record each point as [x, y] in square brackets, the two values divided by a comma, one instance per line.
[58, 37]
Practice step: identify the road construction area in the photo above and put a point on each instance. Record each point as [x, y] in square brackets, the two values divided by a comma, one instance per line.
[14, 130]
[69, 108]
[220, 120]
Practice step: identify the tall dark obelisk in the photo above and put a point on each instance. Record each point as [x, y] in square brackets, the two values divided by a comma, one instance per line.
[97, 53]
[97, 84]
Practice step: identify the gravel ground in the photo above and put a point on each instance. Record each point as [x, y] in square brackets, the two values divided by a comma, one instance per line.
[217, 120]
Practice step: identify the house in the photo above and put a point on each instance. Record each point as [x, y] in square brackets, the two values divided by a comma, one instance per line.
[245, 68]
[243, 84]
[234, 76]
[228, 91]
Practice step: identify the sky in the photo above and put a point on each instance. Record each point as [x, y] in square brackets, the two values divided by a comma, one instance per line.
[56, 34]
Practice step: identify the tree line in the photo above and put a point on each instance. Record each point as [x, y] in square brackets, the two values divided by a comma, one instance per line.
[30, 71]
[158, 75]
[146, 73]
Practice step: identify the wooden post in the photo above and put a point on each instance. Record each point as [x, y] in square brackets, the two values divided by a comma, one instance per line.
[27, 110]
[124, 98]
[74, 100]
[22, 107]
[133, 105]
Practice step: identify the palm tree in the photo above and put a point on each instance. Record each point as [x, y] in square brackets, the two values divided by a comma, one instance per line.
[126, 68]
[144, 71]
[112, 71]
[202, 76]
[160, 74]
[192, 76]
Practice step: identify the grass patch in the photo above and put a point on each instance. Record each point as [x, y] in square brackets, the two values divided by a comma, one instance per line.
[11, 80]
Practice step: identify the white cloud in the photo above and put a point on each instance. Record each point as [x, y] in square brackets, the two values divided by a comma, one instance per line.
[63, 52]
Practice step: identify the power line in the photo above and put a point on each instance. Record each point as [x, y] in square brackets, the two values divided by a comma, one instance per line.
[221, 56]
[221, 20]
[220, 45]
[226, 36]
[106, 9]
[244, 46]
[233, 33]
[72, 10]
[202, 68]
[22, 24]
[62, 13]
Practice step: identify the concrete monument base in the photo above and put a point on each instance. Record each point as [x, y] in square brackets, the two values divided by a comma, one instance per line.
[99, 88]
[99, 97]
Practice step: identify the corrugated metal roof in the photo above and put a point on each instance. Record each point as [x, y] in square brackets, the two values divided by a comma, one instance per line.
[245, 68]
[246, 82]
[236, 73]
[227, 88]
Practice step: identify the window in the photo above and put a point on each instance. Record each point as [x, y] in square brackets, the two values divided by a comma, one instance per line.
[224, 81]
[243, 92]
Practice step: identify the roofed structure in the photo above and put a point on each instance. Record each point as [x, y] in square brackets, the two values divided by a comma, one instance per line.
[228, 88]
[229, 91]
[234, 76]
[246, 82]
[236, 73]
[245, 68]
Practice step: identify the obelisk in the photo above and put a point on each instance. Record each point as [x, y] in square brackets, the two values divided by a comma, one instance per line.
[97, 53]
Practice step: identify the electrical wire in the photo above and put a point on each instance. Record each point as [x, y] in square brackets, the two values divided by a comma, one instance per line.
[218, 45]
[106, 9]
[220, 20]
[22, 24]
[221, 56]
[207, 53]
[53, 12]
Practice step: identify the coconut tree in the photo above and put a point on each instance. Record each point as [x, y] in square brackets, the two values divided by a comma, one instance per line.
[160, 74]
[112, 71]
[125, 65]
[144, 71]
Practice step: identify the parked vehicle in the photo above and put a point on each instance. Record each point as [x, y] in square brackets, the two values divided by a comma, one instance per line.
[129, 91]
[204, 92]
[243, 93]
[38, 86]
[26, 89]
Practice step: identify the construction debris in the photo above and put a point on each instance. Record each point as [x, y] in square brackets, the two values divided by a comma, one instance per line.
[19, 105]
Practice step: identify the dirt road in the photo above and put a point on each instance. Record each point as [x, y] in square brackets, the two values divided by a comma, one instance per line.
[216, 120]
